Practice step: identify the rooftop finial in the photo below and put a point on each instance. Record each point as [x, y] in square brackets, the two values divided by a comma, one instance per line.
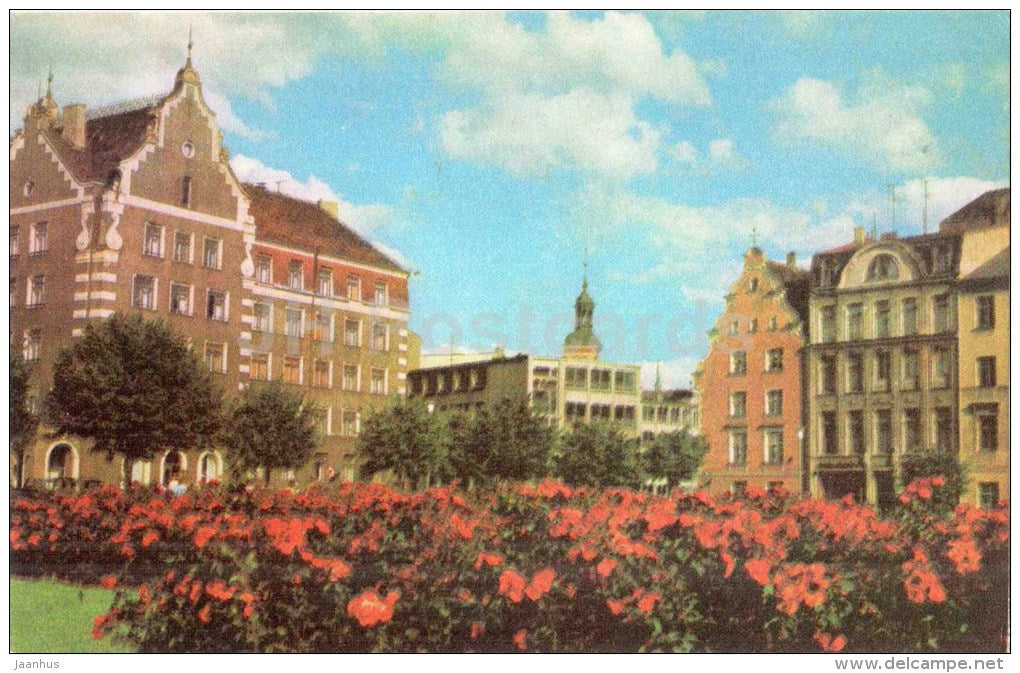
[584, 264]
[754, 235]
[190, 44]
[38, 90]
[49, 84]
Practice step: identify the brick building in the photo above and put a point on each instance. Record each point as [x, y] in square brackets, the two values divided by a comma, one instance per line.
[750, 383]
[134, 208]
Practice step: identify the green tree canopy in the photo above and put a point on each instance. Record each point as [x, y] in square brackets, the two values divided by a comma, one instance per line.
[675, 456]
[598, 454]
[405, 438]
[270, 426]
[23, 422]
[135, 388]
[503, 441]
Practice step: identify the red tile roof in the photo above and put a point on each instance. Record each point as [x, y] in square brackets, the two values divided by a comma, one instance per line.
[301, 224]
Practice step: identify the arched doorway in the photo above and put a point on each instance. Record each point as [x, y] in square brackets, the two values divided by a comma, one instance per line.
[61, 462]
[210, 467]
[174, 464]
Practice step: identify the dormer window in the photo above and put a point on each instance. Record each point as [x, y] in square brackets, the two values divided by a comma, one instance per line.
[940, 259]
[883, 267]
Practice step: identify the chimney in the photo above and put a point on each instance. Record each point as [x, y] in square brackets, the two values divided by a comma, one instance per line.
[889, 236]
[74, 125]
[791, 259]
[859, 235]
[331, 207]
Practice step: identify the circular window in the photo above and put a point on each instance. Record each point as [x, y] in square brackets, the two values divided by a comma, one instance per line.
[188, 150]
[29, 188]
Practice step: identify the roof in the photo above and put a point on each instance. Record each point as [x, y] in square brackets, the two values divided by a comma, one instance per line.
[995, 269]
[990, 208]
[301, 224]
[797, 282]
[670, 395]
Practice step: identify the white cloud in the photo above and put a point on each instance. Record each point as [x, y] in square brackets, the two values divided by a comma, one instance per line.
[880, 125]
[720, 156]
[674, 373]
[805, 24]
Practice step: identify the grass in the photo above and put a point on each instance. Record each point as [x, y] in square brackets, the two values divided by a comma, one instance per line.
[48, 616]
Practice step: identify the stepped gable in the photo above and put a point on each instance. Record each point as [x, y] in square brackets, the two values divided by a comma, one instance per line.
[301, 224]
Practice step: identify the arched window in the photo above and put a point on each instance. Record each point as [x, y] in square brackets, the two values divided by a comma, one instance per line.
[173, 467]
[62, 463]
[209, 467]
[883, 267]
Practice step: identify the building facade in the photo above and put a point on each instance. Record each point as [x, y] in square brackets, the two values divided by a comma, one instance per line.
[134, 208]
[749, 385]
[668, 410]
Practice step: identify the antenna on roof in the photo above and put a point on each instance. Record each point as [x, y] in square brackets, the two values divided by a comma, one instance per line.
[892, 201]
[924, 213]
[278, 186]
[874, 225]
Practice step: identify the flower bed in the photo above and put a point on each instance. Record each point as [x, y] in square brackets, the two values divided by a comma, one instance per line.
[528, 568]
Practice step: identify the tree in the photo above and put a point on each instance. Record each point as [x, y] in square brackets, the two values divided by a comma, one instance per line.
[271, 427]
[23, 421]
[503, 441]
[135, 388]
[597, 454]
[675, 456]
[407, 439]
[921, 464]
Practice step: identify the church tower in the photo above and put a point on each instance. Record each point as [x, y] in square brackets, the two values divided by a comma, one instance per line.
[582, 344]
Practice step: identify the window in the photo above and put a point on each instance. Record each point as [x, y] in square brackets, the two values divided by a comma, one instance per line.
[624, 381]
[324, 326]
[37, 243]
[216, 357]
[576, 411]
[855, 431]
[576, 378]
[325, 421]
[738, 447]
[349, 423]
[773, 324]
[152, 245]
[180, 299]
[14, 291]
[774, 446]
[378, 382]
[734, 327]
[262, 317]
[911, 370]
[881, 319]
[32, 348]
[738, 363]
[909, 316]
[600, 411]
[259, 368]
[826, 273]
[830, 435]
[827, 383]
[883, 267]
[353, 288]
[292, 370]
[944, 429]
[752, 325]
[855, 321]
[774, 403]
[941, 259]
[295, 275]
[828, 324]
[883, 369]
[883, 431]
[912, 430]
[182, 247]
[350, 381]
[738, 489]
[986, 372]
[774, 360]
[326, 282]
[352, 333]
[381, 295]
[854, 373]
[988, 429]
[216, 305]
[941, 314]
[988, 494]
[143, 292]
[293, 327]
[321, 374]
[600, 379]
[986, 312]
[380, 337]
[940, 375]
[211, 253]
[738, 406]
[754, 285]
[264, 269]
[14, 241]
[36, 291]
[186, 191]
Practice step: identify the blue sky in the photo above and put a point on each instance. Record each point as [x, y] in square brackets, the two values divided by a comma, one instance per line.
[491, 149]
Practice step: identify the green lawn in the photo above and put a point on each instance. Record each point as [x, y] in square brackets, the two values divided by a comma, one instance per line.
[49, 616]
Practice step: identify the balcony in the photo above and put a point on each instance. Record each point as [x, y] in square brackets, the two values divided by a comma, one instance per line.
[839, 462]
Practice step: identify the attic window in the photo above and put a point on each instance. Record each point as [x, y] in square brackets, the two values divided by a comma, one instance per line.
[186, 191]
[29, 188]
[883, 267]
[188, 150]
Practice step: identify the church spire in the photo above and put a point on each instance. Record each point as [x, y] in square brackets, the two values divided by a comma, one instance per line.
[658, 377]
[582, 342]
[188, 74]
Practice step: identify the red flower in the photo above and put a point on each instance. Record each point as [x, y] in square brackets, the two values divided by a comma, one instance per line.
[203, 535]
[108, 581]
[370, 609]
[149, 537]
[615, 606]
[203, 614]
[605, 567]
[521, 639]
[143, 594]
[758, 570]
[830, 644]
[647, 602]
[477, 629]
[485, 558]
[336, 568]
[727, 560]
[540, 584]
[512, 585]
